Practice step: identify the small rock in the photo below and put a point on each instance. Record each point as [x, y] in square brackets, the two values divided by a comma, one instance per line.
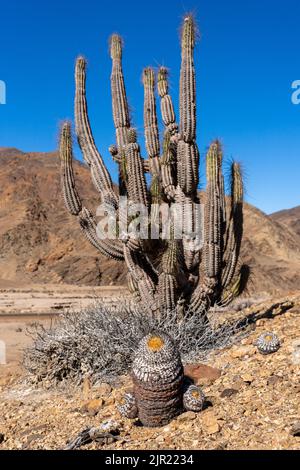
[210, 423]
[93, 406]
[1, 437]
[273, 380]
[110, 440]
[32, 266]
[228, 392]
[201, 373]
[110, 400]
[213, 429]
[247, 378]
[295, 431]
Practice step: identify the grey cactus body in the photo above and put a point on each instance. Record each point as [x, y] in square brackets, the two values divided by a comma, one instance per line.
[268, 343]
[129, 408]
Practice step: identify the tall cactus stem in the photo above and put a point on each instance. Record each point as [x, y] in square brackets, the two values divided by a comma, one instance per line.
[70, 194]
[100, 175]
[188, 154]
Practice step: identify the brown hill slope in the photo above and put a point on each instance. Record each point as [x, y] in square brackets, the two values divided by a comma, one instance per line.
[273, 252]
[289, 217]
[41, 243]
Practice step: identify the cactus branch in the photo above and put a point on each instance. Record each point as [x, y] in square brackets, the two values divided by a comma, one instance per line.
[137, 188]
[167, 281]
[212, 241]
[166, 104]
[168, 161]
[138, 271]
[100, 175]
[111, 249]
[235, 228]
[118, 91]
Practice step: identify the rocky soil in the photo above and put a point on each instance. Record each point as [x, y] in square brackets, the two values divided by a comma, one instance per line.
[252, 401]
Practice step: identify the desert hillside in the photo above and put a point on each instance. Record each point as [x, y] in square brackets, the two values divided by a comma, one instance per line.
[41, 243]
[289, 217]
[252, 400]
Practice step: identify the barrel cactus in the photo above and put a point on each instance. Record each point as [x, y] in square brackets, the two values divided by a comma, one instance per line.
[160, 392]
[199, 267]
[193, 398]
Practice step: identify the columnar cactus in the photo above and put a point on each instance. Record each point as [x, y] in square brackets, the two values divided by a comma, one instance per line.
[159, 392]
[180, 272]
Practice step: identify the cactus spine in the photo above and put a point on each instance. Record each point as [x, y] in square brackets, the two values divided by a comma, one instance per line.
[179, 272]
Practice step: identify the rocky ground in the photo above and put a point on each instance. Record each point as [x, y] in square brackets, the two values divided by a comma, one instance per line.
[252, 401]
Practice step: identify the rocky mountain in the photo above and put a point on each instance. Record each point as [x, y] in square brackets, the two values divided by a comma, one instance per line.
[272, 249]
[41, 243]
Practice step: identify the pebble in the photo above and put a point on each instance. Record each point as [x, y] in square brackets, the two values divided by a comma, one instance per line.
[295, 430]
[228, 392]
[273, 380]
[247, 378]
[93, 406]
[213, 429]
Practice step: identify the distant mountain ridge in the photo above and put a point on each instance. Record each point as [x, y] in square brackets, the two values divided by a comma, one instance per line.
[41, 243]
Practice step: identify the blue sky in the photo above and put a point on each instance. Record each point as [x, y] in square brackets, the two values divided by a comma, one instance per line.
[246, 60]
